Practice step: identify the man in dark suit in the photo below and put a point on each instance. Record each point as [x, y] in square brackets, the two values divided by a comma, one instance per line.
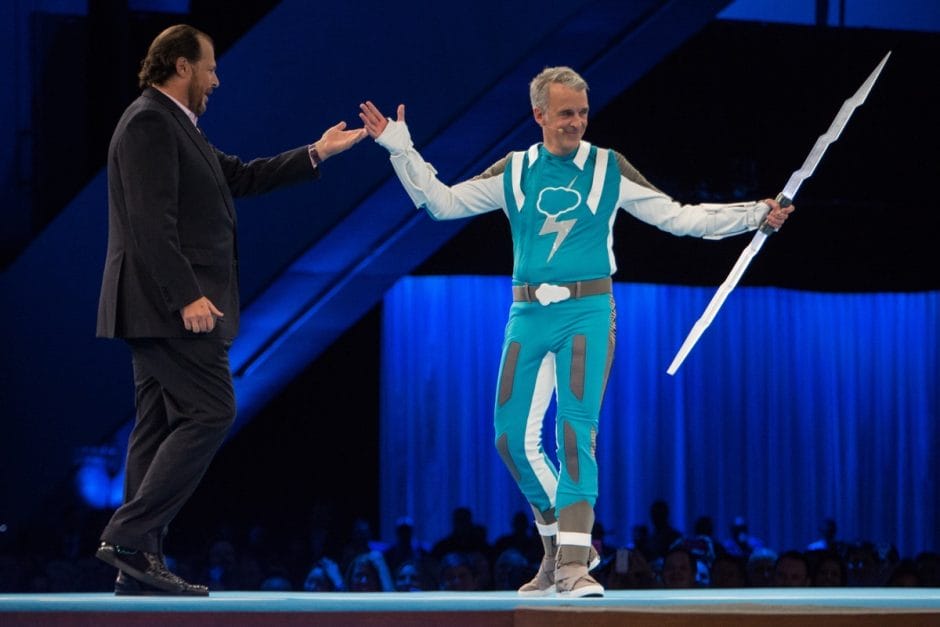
[170, 289]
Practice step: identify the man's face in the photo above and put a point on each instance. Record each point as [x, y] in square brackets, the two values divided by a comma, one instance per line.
[203, 79]
[564, 120]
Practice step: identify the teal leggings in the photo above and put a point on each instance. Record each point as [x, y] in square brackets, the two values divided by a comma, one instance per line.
[566, 347]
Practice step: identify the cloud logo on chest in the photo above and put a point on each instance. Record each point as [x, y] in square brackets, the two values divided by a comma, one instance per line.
[556, 201]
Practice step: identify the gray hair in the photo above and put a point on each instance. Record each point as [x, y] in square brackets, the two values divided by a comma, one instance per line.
[562, 74]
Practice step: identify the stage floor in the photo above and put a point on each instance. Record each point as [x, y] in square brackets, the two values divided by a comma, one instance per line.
[826, 607]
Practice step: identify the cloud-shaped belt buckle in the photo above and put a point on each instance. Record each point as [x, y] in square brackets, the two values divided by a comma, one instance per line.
[546, 293]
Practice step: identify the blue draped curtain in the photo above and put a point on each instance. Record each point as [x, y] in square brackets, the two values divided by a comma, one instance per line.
[794, 406]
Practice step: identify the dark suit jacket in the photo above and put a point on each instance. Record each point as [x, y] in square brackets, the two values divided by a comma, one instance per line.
[171, 220]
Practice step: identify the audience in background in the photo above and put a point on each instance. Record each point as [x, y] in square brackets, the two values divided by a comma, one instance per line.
[741, 543]
[791, 570]
[904, 574]
[277, 582]
[827, 568]
[928, 568]
[524, 538]
[359, 542]
[760, 568]
[664, 534]
[465, 536]
[317, 559]
[828, 541]
[599, 541]
[458, 573]
[629, 570]
[367, 572]
[679, 569]
[415, 576]
[324, 576]
[512, 569]
[406, 548]
[728, 572]
[861, 561]
[640, 541]
[705, 528]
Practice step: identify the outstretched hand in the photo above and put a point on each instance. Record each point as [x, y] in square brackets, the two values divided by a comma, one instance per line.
[336, 139]
[374, 121]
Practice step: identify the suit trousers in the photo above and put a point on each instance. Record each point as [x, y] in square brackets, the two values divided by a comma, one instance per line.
[185, 407]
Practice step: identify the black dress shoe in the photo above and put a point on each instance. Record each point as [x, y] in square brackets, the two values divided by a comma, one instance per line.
[147, 569]
[127, 586]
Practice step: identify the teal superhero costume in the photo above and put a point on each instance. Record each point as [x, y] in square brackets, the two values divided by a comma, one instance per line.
[560, 210]
[561, 328]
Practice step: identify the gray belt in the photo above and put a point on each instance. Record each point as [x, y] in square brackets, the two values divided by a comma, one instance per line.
[547, 293]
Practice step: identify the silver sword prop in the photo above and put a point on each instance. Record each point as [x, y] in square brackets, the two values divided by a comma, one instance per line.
[784, 198]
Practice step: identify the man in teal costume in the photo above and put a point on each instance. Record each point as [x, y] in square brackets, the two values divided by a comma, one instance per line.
[561, 197]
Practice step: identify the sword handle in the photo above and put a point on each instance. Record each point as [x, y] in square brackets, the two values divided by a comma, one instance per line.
[784, 202]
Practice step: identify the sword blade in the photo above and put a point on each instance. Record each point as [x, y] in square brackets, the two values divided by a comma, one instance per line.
[835, 130]
[785, 198]
[744, 260]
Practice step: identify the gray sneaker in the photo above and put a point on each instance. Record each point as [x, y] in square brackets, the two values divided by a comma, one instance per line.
[543, 583]
[573, 581]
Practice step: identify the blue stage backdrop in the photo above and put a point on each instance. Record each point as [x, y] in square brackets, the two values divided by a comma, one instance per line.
[793, 406]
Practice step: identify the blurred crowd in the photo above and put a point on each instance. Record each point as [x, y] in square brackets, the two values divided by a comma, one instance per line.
[658, 556]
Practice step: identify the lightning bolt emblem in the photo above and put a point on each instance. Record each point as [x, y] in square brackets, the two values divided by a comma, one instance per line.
[560, 229]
